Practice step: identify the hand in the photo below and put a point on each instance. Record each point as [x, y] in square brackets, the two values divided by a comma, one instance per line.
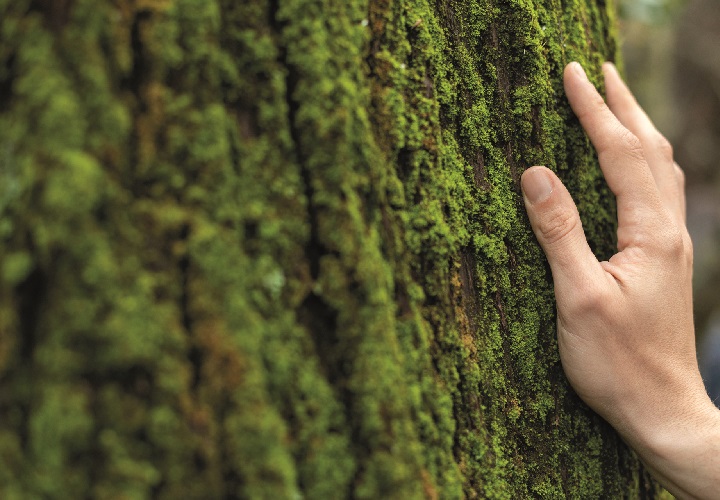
[625, 326]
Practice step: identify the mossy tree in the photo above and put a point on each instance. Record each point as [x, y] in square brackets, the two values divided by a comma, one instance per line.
[277, 249]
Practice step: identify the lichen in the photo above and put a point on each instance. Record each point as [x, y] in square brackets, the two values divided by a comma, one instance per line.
[278, 250]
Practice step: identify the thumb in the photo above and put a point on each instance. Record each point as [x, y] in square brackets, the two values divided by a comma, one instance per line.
[556, 223]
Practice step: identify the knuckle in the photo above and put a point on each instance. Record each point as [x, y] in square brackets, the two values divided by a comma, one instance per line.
[631, 145]
[687, 248]
[558, 225]
[664, 147]
[680, 176]
[624, 146]
[675, 241]
[677, 245]
[673, 244]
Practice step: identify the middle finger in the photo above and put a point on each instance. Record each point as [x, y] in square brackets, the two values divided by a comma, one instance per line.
[658, 151]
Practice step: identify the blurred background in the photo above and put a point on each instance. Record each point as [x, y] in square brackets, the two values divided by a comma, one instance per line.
[671, 52]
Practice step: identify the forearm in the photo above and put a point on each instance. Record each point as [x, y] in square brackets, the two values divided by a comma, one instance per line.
[682, 451]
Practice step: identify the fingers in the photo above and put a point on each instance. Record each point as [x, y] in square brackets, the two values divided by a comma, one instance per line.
[620, 153]
[556, 223]
[656, 148]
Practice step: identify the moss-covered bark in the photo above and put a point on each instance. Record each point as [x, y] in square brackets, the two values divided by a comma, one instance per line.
[277, 249]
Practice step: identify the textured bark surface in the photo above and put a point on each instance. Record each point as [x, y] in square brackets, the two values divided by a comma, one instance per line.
[277, 249]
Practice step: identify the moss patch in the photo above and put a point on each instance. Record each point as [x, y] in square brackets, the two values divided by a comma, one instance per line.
[278, 250]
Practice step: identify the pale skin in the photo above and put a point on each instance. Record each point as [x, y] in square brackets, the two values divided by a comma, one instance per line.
[625, 326]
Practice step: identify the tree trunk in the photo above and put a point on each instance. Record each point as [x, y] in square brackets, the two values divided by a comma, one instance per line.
[277, 249]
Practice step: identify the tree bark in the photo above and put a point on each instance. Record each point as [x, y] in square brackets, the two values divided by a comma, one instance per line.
[277, 249]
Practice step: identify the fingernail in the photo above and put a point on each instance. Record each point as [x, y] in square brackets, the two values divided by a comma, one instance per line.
[537, 185]
[577, 67]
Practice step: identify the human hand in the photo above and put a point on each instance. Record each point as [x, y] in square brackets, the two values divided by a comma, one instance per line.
[625, 326]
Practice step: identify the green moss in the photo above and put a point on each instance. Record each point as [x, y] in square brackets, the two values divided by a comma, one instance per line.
[263, 250]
